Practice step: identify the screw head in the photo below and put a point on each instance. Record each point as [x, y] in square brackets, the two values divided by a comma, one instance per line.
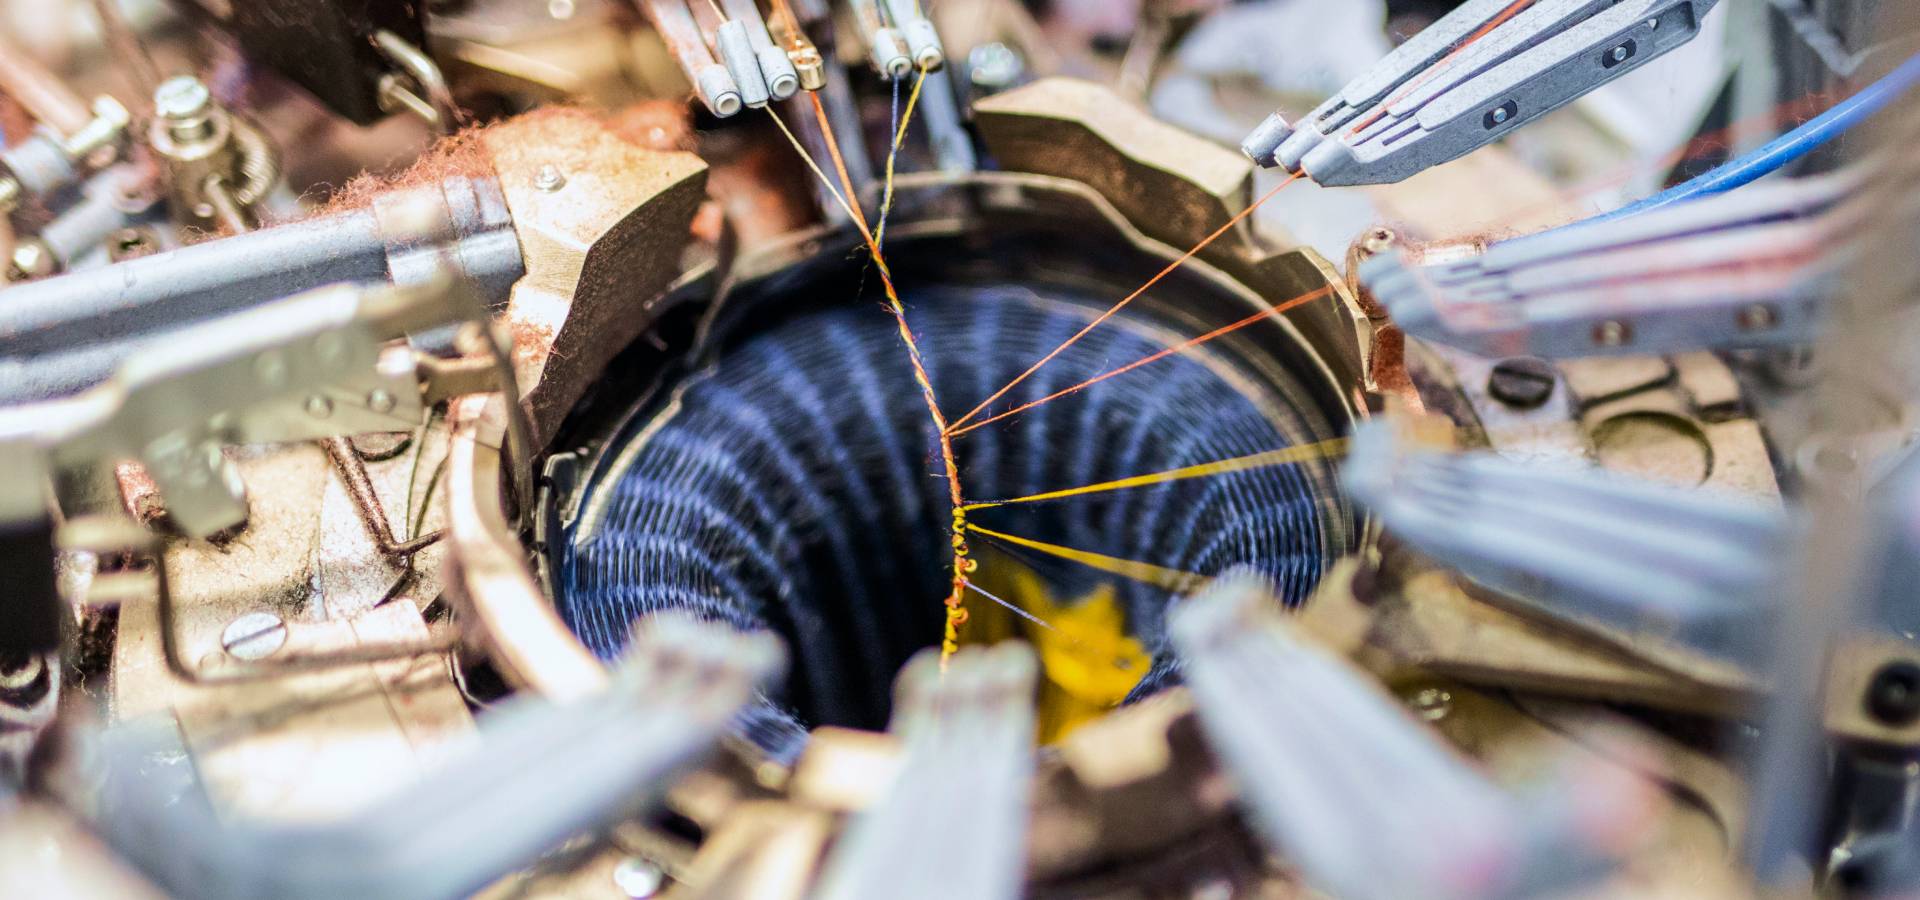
[1620, 53]
[1523, 382]
[181, 97]
[1500, 115]
[256, 635]
[381, 401]
[1893, 694]
[549, 178]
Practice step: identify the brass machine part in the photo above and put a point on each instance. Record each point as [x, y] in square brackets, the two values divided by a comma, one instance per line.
[219, 165]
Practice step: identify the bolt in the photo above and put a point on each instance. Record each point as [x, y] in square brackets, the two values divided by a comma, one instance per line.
[256, 635]
[1523, 382]
[994, 67]
[1756, 317]
[1431, 704]
[549, 179]
[1612, 333]
[1500, 115]
[109, 121]
[184, 104]
[1620, 53]
[638, 878]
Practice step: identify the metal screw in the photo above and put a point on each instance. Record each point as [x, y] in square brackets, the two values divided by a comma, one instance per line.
[1523, 382]
[1432, 704]
[256, 635]
[1893, 696]
[1612, 333]
[129, 243]
[380, 400]
[184, 104]
[638, 878]
[1757, 317]
[1499, 115]
[549, 179]
[319, 407]
[1620, 53]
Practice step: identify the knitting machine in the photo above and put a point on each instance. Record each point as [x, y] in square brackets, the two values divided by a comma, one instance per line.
[707, 448]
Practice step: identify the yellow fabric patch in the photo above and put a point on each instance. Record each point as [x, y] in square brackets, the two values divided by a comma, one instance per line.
[1090, 661]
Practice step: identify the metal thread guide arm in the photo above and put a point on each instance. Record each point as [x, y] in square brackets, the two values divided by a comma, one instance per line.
[1470, 79]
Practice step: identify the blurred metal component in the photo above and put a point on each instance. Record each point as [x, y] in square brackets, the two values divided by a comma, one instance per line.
[1363, 799]
[711, 80]
[808, 65]
[597, 249]
[29, 698]
[886, 49]
[220, 166]
[46, 161]
[994, 67]
[737, 54]
[334, 50]
[360, 488]
[294, 369]
[1483, 70]
[952, 825]
[1647, 562]
[776, 69]
[417, 86]
[923, 42]
[109, 204]
[64, 334]
[1744, 269]
[545, 772]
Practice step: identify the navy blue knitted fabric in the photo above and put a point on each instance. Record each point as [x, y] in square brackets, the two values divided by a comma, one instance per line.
[796, 485]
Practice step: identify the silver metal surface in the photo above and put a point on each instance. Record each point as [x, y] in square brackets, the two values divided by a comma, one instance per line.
[62, 335]
[1744, 269]
[1468, 80]
[952, 826]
